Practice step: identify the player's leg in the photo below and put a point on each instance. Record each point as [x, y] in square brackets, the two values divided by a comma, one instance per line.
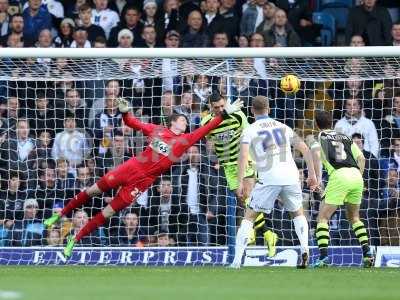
[353, 201]
[122, 200]
[292, 198]
[262, 199]
[322, 232]
[109, 181]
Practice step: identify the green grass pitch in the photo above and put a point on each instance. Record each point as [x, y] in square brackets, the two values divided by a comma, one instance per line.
[189, 283]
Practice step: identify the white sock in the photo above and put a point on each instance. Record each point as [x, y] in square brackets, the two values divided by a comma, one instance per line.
[242, 238]
[301, 227]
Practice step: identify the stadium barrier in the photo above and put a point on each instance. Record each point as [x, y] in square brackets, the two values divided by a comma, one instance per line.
[186, 256]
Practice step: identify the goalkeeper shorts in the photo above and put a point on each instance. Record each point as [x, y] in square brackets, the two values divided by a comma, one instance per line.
[231, 175]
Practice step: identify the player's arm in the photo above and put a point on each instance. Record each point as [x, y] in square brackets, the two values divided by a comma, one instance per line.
[315, 149]
[131, 121]
[201, 132]
[301, 146]
[358, 157]
[242, 164]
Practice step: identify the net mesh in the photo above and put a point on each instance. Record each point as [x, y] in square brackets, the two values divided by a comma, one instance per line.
[46, 158]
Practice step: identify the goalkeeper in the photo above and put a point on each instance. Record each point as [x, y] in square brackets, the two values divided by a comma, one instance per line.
[166, 146]
[226, 139]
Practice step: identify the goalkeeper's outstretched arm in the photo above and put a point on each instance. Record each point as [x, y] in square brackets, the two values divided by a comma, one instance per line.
[131, 121]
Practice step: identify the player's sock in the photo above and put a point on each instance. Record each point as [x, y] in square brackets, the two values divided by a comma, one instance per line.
[301, 227]
[322, 234]
[362, 236]
[94, 223]
[75, 202]
[242, 239]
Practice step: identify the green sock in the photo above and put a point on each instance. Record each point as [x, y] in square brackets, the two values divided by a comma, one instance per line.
[322, 234]
[361, 235]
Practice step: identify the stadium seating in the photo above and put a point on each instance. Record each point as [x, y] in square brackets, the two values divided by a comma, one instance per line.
[328, 27]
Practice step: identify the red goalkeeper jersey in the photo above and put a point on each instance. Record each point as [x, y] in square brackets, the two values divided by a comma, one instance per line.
[165, 147]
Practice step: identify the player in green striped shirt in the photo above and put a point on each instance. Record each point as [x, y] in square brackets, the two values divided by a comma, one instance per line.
[344, 163]
[226, 140]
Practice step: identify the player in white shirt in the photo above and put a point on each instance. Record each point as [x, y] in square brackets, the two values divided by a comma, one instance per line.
[269, 144]
[104, 17]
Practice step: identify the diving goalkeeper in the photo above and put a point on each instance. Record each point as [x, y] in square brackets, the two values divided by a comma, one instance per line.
[136, 175]
[226, 139]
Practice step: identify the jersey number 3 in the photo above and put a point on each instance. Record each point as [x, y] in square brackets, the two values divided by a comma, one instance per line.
[340, 154]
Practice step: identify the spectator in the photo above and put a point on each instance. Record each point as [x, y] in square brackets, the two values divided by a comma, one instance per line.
[252, 16]
[201, 89]
[36, 18]
[269, 9]
[44, 145]
[390, 126]
[12, 112]
[153, 17]
[220, 40]
[214, 22]
[191, 109]
[396, 34]
[104, 17]
[357, 41]
[125, 39]
[281, 33]
[29, 231]
[241, 89]
[395, 154]
[64, 179]
[372, 22]
[128, 232]
[257, 40]
[243, 41]
[100, 42]
[54, 238]
[163, 239]
[12, 199]
[354, 121]
[16, 29]
[70, 144]
[85, 17]
[4, 17]
[18, 150]
[130, 20]
[301, 17]
[42, 116]
[79, 220]
[171, 78]
[166, 209]
[45, 39]
[66, 32]
[74, 105]
[112, 91]
[105, 123]
[116, 154]
[171, 16]
[80, 39]
[168, 102]
[45, 191]
[391, 193]
[194, 35]
[192, 181]
[83, 178]
[371, 173]
[149, 36]
[231, 19]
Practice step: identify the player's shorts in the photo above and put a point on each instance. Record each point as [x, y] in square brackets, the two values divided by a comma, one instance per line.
[345, 185]
[127, 177]
[231, 175]
[263, 197]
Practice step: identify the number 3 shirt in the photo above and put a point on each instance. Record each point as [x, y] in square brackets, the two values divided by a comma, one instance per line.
[270, 150]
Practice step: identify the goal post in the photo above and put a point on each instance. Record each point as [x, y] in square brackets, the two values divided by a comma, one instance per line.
[48, 86]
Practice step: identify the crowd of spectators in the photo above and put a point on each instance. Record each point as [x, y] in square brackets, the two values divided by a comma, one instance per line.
[58, 137]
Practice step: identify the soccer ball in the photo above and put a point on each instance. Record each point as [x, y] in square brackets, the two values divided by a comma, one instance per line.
[290, 84]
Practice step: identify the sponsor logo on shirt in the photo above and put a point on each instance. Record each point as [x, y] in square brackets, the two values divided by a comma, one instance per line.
[160, 147]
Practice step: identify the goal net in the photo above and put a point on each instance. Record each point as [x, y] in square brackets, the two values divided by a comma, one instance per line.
[60, 131]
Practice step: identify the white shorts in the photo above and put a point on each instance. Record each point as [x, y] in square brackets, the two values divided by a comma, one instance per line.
[263, 197]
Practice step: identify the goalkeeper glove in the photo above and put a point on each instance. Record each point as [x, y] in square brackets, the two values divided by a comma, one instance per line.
[123, 105]
[230, 108]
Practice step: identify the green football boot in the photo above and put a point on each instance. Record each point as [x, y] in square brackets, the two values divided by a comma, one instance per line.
[52, 220]
[69, 247]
